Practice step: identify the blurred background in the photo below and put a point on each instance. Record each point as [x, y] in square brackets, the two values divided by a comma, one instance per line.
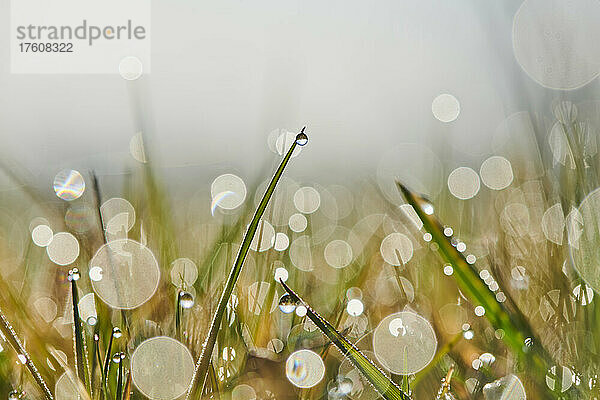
[490, 109]
[361, 76]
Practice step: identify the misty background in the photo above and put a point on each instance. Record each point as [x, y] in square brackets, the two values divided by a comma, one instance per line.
[225, 74]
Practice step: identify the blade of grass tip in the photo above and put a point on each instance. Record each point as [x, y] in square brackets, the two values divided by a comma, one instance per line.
[516, 328]
[15, 342]
[201, 367]
[388, 389]
[77, 331]
[98, 201]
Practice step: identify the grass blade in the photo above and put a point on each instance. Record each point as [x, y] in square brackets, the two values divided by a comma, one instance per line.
[445, 388]
[514, 324]
[77, 331]
[119, 394]
[15, 342]
[127, 390]
[384, 385]
[201, 368]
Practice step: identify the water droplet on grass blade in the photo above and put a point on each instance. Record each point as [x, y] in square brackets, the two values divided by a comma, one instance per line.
[281, 274]
[301, 311]
[117, 332]
[301, 138]
[74, 274]
[186, 300]
[287, 304]
[427, 208]
[355, 307]
[117, 358]
[15, 395]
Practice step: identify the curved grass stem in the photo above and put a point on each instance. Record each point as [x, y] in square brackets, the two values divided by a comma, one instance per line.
[387, 388]
[15, 342]
[201, 367]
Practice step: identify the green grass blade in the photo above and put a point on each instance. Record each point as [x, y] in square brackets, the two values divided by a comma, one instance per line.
[12, 338]
[201, 368]
[380, 381]
[127, 390]
[119, 394]
[515, 326]
[77, 331]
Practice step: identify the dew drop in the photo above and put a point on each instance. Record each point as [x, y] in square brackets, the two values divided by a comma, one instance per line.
[117, 357]
[281, 274]
[355, 307]
[74, 274]
[15, 395]
[487, 359]
[117, 332]
[287, 304]
[427, 208]
[301, 138]
[301, 311]
[186, 300]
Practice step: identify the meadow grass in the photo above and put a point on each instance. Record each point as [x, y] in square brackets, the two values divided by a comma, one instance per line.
[537, 320]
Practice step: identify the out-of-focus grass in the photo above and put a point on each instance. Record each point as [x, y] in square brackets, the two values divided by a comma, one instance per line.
[531, 271]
